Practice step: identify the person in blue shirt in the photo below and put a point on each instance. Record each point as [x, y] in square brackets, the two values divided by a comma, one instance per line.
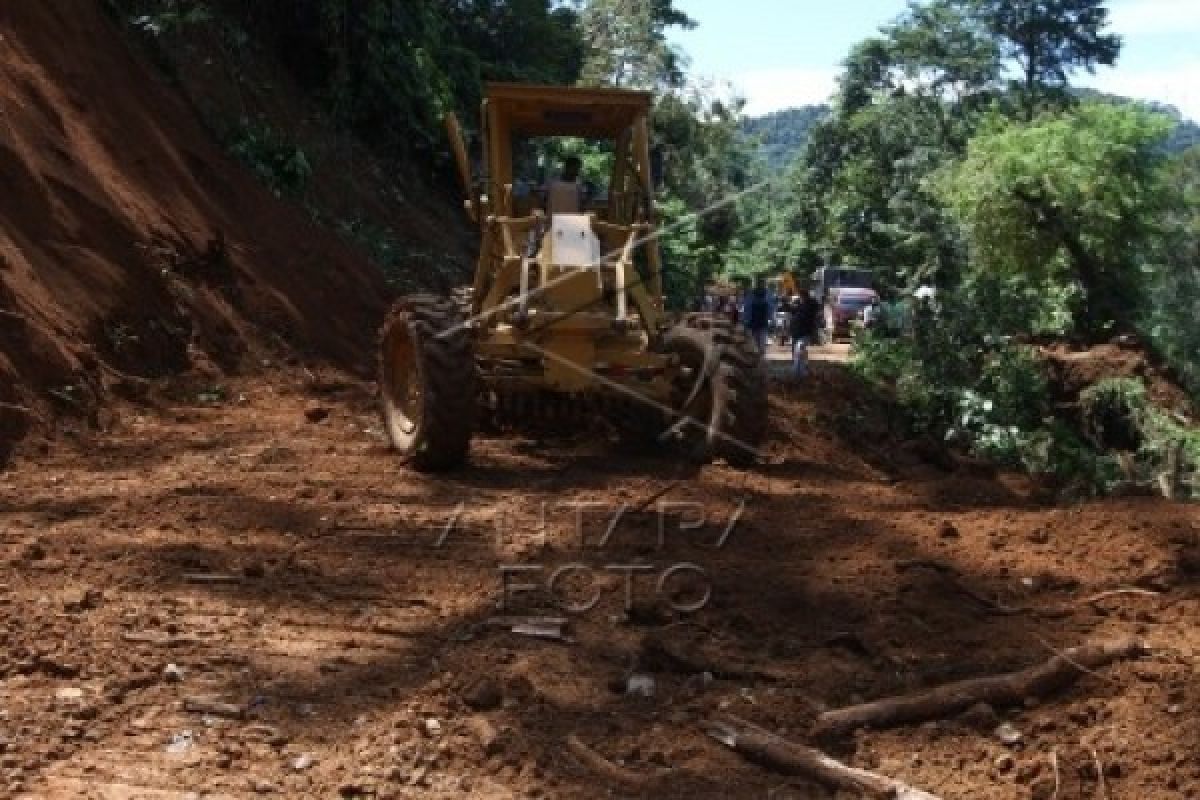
[757, 316]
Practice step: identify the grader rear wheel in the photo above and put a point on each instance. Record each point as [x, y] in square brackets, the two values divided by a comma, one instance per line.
[427, 383]
[720, 394]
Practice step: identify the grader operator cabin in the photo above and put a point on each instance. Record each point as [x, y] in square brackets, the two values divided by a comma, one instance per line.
[565, 323]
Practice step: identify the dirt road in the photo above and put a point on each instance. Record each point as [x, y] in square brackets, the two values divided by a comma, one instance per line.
[235, 600]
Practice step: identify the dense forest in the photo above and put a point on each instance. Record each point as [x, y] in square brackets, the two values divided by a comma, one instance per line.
[781, 136]
[956, 153]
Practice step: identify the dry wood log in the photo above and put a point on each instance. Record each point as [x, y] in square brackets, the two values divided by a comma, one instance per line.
[613, 773]
[1008, 689]
[763, 747]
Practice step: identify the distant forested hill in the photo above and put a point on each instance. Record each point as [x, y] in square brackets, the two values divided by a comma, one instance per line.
[783, 134]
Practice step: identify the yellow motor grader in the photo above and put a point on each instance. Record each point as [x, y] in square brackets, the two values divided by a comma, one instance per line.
[565, 320]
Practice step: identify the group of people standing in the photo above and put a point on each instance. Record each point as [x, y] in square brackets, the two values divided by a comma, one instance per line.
[802, 315]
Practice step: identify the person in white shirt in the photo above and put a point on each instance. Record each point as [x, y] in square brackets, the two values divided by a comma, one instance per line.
[564, 194]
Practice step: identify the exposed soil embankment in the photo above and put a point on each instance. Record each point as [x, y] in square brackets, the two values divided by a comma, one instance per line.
[131, 246]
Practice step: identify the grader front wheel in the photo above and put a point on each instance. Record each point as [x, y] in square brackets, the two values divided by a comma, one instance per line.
[427, 383]
[720, 393]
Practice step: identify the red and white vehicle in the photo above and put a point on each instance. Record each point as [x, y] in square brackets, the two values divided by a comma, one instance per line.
[844, 292]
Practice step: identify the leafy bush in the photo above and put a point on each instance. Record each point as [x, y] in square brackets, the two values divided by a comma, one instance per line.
[170, 16]
[278, 162]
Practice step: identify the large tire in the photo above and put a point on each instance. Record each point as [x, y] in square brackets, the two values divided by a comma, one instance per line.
[427, 382]
[720, 394]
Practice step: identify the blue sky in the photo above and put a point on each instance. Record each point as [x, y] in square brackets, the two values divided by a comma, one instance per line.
[783, 53]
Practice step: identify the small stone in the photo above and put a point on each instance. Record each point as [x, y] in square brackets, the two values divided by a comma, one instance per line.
[303, 762]
[640, 686]
[1039, 536]
[264, 787]
[1008, 735]
[948, 530]
[70, 694]
[432, 727]
[180, 742]
[173, 673]
[1004, 763]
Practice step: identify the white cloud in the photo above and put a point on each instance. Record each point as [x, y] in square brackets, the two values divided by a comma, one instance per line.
[768, 90]
[1155, 17]
[1177, 85]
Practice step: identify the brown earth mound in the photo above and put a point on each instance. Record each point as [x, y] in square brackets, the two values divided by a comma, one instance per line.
[131, 247]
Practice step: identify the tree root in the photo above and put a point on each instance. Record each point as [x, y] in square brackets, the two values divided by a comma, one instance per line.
[1008, 689]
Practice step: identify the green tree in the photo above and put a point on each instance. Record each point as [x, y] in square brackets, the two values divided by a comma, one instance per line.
[1077, 196]
[1048, 40]
[627, 43]
[1174, 281]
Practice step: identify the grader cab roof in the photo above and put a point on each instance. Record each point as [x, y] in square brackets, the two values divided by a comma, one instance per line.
[566, 111]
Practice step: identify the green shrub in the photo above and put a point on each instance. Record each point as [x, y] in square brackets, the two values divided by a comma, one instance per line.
[279, 163]
[1112, 413]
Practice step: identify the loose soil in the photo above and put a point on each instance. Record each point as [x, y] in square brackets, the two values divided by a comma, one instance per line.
[296, 570]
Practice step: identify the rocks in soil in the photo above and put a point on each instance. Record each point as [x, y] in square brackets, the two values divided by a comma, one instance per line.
[1008, 735]
[948, 530]
[431, 727]
[173, 673]
[303, 762]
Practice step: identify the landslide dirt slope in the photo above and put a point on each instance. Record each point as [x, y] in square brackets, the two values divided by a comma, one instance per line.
[131, 247]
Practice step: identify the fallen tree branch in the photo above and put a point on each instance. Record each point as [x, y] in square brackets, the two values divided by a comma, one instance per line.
[763, 747]
[1008, 689]
[613, 773]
